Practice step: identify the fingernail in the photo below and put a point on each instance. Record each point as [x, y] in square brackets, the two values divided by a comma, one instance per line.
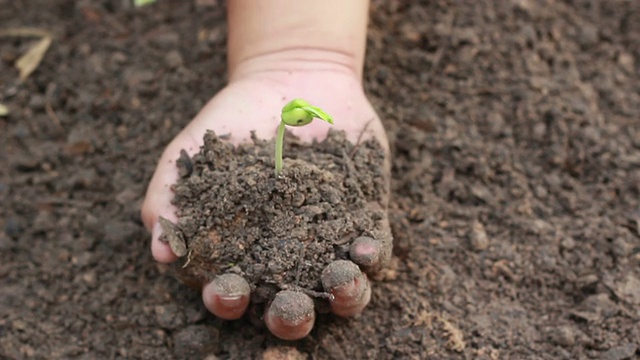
[291, 315]
[365, 251]
[349, 286]
[227, 296]
[351, 292]
[338, 273]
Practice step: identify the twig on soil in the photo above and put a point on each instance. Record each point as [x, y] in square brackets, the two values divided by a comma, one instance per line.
[4, 110]
[29, 61]
[345, 239]
[52, 114]
[440, 52]
[351, 171]
[188, 259]
[455, 337]
[358, 142]
[69, 202]
[309, 292]
[316, 294]
[23, 32]
[49, 109]
[300, 259]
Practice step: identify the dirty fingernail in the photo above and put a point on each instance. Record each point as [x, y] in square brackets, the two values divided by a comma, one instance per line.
[365, 251]
[348, 285]
[291, 315]
[227, 296]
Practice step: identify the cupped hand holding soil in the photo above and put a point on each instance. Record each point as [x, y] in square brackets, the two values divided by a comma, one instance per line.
[287, 245]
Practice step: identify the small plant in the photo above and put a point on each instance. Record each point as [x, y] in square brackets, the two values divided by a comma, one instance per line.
[296, 113]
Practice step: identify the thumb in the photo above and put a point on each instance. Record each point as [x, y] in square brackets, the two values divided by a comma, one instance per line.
[157, 201]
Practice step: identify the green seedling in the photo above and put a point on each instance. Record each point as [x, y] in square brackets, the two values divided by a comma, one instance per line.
[296, 113]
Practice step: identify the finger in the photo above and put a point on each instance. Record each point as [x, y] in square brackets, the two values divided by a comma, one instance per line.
[157, 201]
[365, 251]
[373, 252]
[227, 296]
[291, 315]
[349, 286]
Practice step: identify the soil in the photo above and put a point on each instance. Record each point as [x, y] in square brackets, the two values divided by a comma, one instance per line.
[515, 192]
[278, 232]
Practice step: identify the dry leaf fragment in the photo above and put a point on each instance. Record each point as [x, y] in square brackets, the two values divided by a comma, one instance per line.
[29, 61]
[139, 3]
[456, 338]
[172, 235]
[24, 32]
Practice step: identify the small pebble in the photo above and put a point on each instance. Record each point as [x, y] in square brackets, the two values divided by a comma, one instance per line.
[13, 227]
[283, 353]
[564, 336]
[620, 352]
[173, 59]
[478, 237]
[626, 61]
[24, 162]
[5, 242]
[621, 248]
[629, 289]
[587, 36]
[165, 40]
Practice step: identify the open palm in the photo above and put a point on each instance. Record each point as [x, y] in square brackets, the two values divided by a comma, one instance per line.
[253, 104]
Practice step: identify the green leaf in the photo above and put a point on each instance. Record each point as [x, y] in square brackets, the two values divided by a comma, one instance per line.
[298, 112]
[295, 103]
[296, 117]
[318, 113]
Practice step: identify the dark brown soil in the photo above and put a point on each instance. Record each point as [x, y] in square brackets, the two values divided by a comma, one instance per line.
[515, 202]
[278, 232]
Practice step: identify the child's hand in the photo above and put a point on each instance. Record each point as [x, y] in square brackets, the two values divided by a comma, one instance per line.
[254, 103]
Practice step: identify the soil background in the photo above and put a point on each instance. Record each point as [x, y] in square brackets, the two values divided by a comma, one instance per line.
[515, 128]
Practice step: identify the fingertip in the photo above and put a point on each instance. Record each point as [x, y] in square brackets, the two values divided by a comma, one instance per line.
[351, 299]
[365, 251]
[291, 315]
[227, 296]
[157, 203]
[349, 286]
[162, 252]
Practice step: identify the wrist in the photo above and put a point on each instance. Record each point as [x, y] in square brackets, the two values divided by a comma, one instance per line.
[297, 60]
[296, 35]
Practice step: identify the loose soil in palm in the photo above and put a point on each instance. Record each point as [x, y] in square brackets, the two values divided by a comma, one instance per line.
[278, 232]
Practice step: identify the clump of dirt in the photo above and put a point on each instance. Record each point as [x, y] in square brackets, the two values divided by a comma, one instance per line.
[278, 232]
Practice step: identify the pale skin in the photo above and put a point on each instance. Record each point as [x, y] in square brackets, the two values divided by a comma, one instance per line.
[279, 50]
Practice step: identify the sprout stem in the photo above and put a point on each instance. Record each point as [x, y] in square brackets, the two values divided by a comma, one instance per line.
[279, 146]
[296, 113]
